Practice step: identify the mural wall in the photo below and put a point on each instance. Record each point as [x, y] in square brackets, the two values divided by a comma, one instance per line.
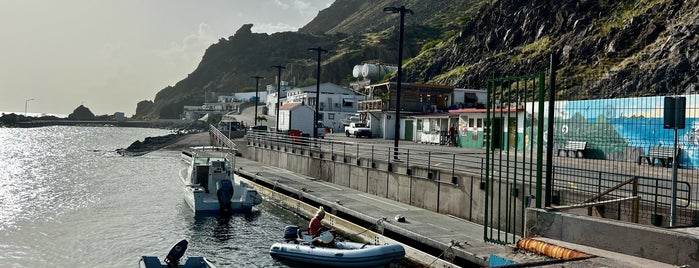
[621, 129]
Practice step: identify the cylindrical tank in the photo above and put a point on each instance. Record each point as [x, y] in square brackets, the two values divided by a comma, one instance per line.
[357, 71]
[376, 71]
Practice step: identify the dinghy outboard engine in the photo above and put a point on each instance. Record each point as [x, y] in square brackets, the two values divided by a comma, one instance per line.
[173, 257]
[224, 192]
[291, 233]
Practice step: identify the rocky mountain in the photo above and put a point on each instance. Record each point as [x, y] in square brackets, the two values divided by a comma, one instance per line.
[604, 49]
[607, 48]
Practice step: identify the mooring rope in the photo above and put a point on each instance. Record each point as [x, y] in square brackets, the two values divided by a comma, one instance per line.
[452, 244]
[379, 221]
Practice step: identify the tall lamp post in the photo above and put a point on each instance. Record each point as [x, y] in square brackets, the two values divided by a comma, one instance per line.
[315, 115]
[25, 106]
[402, 10]
[257, 98]
[279, 90]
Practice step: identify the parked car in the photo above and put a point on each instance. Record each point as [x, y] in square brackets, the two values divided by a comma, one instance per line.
[358, 130]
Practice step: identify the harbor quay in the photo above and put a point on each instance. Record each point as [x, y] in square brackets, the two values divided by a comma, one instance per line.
[459, 241]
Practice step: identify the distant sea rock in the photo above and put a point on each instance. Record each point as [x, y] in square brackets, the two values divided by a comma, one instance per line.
[81, 113]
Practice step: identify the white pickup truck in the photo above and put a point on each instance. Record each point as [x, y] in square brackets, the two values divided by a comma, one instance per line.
[358, 130]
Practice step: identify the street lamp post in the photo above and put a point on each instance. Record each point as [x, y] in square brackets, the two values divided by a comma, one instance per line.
[25, 106]
[315, 115]
[279, 86]
[257, 98]
[402, 10]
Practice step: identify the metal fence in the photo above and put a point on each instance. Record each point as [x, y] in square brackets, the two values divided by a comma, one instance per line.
[627, 138]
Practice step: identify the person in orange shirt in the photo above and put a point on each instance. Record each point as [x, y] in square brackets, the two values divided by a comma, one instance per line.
[315, 223]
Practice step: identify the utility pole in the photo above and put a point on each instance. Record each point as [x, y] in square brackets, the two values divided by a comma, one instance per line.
[315, 115]
[402, 10]
[257, 98]
[279, 90]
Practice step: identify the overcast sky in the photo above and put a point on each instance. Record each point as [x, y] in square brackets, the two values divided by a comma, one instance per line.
[110, 54]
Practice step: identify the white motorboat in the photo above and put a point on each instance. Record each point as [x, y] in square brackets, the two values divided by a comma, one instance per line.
[209, 181]
[299, 248]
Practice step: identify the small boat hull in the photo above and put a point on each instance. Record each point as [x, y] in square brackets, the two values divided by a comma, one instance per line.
[192, 262]
[210, 185]
[344, 254]
[173, 257]
[201, 202]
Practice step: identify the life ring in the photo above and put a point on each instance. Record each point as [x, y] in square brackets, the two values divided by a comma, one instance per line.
[564, 129]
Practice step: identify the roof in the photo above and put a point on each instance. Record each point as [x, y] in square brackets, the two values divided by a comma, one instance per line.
[290, 106]
[437, 115]
[325, 88]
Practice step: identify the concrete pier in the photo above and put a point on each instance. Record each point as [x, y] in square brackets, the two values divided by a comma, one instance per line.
[442, 235]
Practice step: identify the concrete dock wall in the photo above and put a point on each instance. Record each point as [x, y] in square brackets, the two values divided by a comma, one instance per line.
[457, 195]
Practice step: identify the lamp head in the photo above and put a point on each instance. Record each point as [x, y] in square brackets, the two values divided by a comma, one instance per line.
[401, 9]
[390, 10]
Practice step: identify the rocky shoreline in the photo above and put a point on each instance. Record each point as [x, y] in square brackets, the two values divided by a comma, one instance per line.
[175, 141]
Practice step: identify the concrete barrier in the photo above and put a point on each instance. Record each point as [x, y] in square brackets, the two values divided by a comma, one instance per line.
[647, 242]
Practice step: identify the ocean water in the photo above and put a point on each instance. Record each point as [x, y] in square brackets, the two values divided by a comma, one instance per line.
[68, 200]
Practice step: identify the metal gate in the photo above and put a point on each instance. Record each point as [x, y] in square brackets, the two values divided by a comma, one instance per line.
[514, 140]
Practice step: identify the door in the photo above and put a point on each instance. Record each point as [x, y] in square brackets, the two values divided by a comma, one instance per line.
[497, 133]
[408, 130]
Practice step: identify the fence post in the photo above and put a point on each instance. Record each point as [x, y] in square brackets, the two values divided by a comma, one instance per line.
[453, 173]
[373, 165]
[429, 165]
[636, 201]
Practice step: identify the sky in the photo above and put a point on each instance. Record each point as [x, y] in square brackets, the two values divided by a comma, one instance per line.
[110, 54]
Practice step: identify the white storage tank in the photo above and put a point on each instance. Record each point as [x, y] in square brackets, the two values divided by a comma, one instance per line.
[357, 71]
[376, 71]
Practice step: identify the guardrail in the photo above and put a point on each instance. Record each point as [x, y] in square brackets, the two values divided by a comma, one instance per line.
[344, 151]
[220, 138]
[579, 183]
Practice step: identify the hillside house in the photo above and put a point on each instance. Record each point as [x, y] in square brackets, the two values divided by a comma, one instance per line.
[336, 103]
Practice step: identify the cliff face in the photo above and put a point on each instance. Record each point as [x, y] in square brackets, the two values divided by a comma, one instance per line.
[352, 31]
[604, 49]
[609, 48]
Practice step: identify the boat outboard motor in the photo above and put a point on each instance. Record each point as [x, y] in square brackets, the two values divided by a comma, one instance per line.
[291, 233]
[252, 198]
[224, 192]
[173, 257]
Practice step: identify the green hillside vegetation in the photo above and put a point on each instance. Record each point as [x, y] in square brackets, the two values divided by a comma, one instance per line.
[604, 49]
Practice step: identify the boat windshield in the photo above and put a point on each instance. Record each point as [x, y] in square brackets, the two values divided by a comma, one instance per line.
[202, 161]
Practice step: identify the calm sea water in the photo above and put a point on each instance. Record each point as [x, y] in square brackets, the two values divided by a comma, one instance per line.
[68, 200]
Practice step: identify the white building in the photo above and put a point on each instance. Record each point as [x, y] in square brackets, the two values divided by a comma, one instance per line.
[272, 97]
[250, 96]
[336, 103]
[296, 116]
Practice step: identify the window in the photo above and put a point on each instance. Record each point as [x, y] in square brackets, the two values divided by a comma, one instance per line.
[471, 122]
[480, 122]
[347, 102]
[331, 116]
